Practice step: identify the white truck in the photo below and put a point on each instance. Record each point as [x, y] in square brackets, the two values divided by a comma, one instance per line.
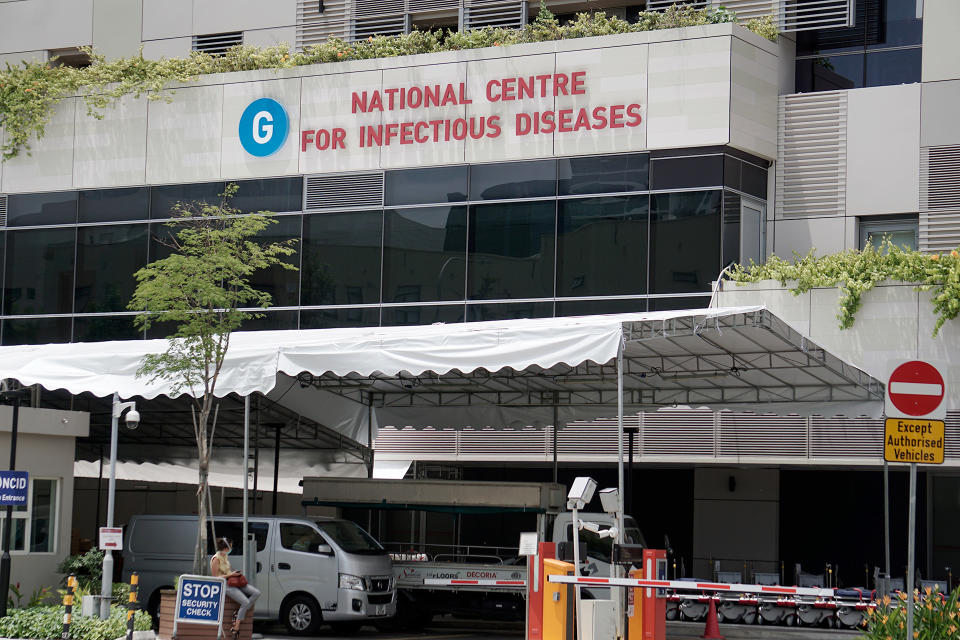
[422, 555]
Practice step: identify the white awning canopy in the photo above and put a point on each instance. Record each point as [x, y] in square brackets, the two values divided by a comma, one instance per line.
[742, 356]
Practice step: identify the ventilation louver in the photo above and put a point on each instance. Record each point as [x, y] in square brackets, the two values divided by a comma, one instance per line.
[3, 211]
[939, 198]
[344, 191]
[315, 27]
[494, 13]
[792, 15]
[217, 43]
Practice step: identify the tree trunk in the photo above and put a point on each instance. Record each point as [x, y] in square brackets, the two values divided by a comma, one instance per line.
[200, 566]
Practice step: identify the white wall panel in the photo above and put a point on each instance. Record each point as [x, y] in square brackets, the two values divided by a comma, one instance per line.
[27, 25]
[614, 76]
[167, 48]
[883, 150]
[508, 146]
[14, 59]
[167, 19]
[825, 234]
[217, 16]
[941, 55]
[939, 122]
[271, 37]
[688, 93]
[431, 153]
[753, 100]
[50, 165]
[236, 162]
[325, 104]
[116, 27]
[112, 152]
[183, 136]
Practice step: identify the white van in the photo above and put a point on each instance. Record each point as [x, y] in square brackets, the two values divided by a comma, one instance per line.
[310, 570]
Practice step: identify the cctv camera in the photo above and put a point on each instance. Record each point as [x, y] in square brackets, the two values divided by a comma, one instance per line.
[133, 419]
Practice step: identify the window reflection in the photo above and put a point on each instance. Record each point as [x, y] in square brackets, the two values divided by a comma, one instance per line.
[424, 254]
[513, 180]
[511, 249]
[603, 174]
[164, 198]
[686, 172]
[271, 321]
[35, 209]
[36, 330]
[828, 73]
[885, 68]
[339, 318]
[602, 246]
[282, 284]
[422, 314]
[100, 328]
[425, 186]
[277, 195]
[509, 311]
[594, 307]
[39, 273]
[341, 258]
[107, 258]
[110, 205]
[684, 241]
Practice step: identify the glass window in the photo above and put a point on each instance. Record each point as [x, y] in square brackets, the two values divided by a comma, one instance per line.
[341, 258]
[885, 68]
[282, 284]
[731, 172]
[511, 249]
[164, 198]
[350, 537]
[107, 258]
[828, 73]
[900, 24]
[684, 173]
[424, 254]
[596, 307]
[679, 302]
[36, 331]
[684, 241]
[509, 311]
[100, 328]
[30, 209]
[300, 537]
[233, 532]
[271, 321]
[422, 314]
[602, 246]
[112, 205]
[753, 180]
[603, 174]
[902, 232]
[425, 186]
[513, 180]
[731, 228]
[277, 195]
[43, 516]
[339, 318]
[39, 273]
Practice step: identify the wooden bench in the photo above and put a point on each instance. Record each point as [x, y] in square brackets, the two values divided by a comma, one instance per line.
[185, 631]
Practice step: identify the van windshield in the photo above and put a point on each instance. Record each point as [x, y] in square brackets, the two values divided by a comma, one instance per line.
[350, 537]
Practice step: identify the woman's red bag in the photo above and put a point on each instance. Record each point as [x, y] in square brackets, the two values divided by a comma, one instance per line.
[237, 581]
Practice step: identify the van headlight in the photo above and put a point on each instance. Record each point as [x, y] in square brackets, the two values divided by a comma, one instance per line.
[348, 581]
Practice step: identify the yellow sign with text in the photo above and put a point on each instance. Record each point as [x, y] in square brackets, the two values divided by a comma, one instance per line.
[919, 441]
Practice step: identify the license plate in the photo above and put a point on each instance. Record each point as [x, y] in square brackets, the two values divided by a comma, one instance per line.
[381, 610]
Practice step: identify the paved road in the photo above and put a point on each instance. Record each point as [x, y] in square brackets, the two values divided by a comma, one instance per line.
[447, 631]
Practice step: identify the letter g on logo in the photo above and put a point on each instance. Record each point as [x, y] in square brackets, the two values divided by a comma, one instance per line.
[263, 127]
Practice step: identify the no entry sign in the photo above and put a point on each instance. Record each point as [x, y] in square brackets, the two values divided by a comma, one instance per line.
[916, 390]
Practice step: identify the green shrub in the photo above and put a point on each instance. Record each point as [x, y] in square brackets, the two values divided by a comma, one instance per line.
[935, 617]
[87, 567]
[47, 623]
[29, 92]
[856, 272]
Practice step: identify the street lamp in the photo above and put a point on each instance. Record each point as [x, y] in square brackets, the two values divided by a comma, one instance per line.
[133, 421]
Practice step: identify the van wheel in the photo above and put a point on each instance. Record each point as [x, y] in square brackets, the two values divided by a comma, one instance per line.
[346, 628]
[301, 616]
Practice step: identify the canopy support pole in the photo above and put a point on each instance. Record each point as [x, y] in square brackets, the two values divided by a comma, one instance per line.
[247, 555]
[556, 401]
[276, 467]
[618, 608]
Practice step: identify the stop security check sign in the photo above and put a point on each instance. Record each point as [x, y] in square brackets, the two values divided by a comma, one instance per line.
[916, 390]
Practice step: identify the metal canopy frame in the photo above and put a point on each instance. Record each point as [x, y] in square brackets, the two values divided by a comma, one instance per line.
[742, 358]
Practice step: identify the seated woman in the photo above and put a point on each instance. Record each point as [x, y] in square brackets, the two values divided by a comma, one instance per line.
[244, 596]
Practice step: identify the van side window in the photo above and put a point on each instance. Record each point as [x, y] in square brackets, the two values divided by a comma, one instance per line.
[233, 531]
[300, 537]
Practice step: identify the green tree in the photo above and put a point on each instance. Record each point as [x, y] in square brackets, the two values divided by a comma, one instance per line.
[201, 289]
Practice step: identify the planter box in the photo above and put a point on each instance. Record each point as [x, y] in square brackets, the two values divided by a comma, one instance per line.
[168, 602]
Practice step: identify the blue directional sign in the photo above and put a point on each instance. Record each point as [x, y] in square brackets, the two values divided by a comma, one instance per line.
[13, 488]
[200, 599]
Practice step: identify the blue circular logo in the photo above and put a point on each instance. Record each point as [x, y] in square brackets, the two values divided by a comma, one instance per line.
[263, 127]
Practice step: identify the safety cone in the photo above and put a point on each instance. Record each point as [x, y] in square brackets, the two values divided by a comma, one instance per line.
[712, 632]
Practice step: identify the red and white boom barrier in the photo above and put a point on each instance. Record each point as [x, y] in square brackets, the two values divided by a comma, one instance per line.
[453, 582]
[694, 586]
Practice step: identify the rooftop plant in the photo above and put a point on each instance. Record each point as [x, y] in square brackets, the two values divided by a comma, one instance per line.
[856, 272]
[29, 92]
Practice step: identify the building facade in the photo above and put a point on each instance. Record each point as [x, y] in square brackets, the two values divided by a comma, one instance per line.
[598, 175]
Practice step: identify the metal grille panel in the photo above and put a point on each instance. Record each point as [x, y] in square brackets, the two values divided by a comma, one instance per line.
[3, 211]
[315, 28]
[812, 154]
[806, 15]
[760, 436]
[846, 438]
[939, 198]
[667, 434]
[217, 43]
[509, 14]
[344, 191]
[382, 25]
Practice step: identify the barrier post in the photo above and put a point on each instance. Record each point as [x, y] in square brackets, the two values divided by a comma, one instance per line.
[68, 606]
[132, 603]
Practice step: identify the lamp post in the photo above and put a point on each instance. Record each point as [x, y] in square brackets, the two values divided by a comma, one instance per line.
[133, 421]
[8, 523]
